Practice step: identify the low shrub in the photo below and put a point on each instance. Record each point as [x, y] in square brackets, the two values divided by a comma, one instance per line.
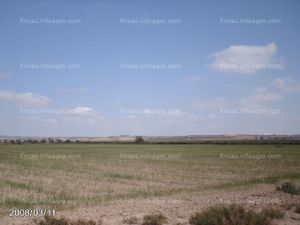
[297, 210]
[272, 213]
[154, 219]
[50, 220]
[228, 215]
[83, 222]
[131, 220]
[288, 187]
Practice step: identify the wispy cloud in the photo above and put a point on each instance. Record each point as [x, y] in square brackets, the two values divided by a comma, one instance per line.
[214, 103]
[162, 114]
[83, 115]
[259, 99]
[262, 95]
[80, 115]
[24, 99]
[287, 85]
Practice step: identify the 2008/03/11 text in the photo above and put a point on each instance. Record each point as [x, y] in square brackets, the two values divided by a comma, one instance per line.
[31, 212]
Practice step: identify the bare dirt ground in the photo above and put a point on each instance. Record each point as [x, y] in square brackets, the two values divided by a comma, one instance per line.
[177, 208]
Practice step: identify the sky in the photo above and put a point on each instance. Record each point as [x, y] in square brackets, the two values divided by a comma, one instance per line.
[141, 67]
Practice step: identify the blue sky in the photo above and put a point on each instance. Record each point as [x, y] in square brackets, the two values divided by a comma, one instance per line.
[98, 68]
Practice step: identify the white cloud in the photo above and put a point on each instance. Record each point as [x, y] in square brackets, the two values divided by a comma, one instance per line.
[152, 111]
[161, 114]
[287, 85]
[24, 99]
[245, 59]
[81, 110]
[83, 115]
[258, 100]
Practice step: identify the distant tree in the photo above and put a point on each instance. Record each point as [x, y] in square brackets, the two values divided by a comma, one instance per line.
[59, 141]
[139, 140]
[34, 141]
[43, 141]
[12, 142]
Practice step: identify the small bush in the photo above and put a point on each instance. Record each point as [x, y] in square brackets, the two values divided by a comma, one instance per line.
[131, 220]
[50, 220]
[154, 219]
[228, 215]
[272, 213]
[288, 187]
[297, 210]
[211, 216]
[83, 222]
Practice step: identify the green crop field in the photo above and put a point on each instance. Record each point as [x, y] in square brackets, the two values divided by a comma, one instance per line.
[66, 176]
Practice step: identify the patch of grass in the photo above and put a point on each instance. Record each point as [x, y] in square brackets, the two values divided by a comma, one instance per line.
[289, 187]
[154, 219]
[15, 203]
[229, 215]
[120, 176]
[272, 213]
[254, 181]
[19, 185]
[131, 220]
[63, 196]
